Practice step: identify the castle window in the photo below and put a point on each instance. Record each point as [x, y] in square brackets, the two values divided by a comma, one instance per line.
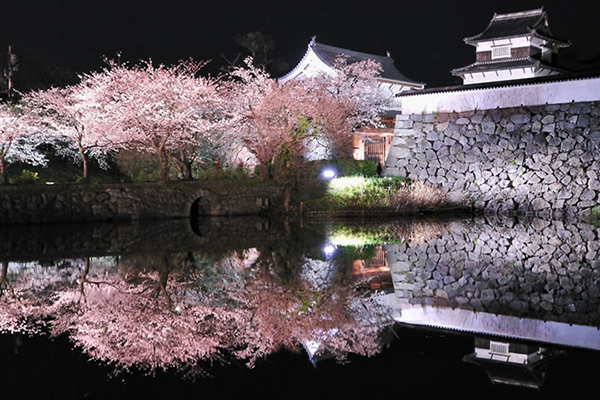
[501, 52]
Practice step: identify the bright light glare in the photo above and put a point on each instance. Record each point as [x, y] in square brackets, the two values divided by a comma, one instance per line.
[328, 173]
[328, 250]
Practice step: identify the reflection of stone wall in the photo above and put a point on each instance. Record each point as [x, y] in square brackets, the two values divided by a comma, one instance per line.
[216, 235]
[545, 270]
[544, 159]
[75, 203]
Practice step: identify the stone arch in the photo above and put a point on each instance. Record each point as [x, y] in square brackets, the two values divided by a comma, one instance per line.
[199, 211]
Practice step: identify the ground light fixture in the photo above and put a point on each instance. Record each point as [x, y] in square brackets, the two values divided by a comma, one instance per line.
[328, 173]
[328, 250]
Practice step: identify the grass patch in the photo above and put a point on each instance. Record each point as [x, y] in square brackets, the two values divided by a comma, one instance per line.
[384, 193]
[384, 232]
[358, 241]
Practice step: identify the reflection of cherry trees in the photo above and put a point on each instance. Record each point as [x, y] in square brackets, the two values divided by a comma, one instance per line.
[18, 312]
[131, 321]
[176, 311]
[148, 319]
[299, 312]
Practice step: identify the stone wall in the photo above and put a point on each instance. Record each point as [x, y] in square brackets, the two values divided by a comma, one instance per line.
[112, 202]
[542, 159]
[539, 269]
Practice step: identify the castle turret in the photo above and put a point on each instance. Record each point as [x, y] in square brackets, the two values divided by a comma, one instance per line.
[518, 45]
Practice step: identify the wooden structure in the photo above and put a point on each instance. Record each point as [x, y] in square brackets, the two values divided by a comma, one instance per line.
[374, 143]
[376, 270]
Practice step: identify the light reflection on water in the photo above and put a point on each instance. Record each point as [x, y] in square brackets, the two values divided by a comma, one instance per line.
[161, 296]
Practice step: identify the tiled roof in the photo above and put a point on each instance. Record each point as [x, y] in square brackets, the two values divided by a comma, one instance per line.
[524, 23]
[501, 84]
[502, 64]
[329, 54]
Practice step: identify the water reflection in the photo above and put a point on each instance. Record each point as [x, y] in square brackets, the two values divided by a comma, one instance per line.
[513, 363]
[163, 296]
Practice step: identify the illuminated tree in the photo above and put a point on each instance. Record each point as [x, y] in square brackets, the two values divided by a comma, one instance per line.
[270, 118]
[77, 121]
[165, 111]
[344, 101]
[19, 140]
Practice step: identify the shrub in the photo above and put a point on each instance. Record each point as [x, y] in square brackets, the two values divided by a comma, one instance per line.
[223, 174]
[344, 167]
[365, 168]
[391, 193]
[27, 177]
[137, 167]
[356, 252]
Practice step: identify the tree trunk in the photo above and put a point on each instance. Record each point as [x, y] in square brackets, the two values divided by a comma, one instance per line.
[4, 284]
[187, 171]
[84, 161]
[287, 199]
[85, 168]
[264, 172]
[3, 175]
[3, 272]
[185, 168]
[83, 280]
[163, 165]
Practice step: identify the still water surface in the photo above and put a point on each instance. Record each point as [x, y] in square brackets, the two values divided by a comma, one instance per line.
[239, 306]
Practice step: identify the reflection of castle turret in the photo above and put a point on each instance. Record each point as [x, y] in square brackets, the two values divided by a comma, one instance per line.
[512, 363]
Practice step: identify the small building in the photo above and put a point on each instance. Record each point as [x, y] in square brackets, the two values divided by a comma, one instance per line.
[514, 46]
[368, 143]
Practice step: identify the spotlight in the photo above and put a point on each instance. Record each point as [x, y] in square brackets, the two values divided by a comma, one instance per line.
[328, 173]
[328, 250]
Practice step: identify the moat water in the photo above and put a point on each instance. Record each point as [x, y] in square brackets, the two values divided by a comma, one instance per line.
[295, 308]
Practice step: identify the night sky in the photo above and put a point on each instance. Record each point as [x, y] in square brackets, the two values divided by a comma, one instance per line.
[424, 37]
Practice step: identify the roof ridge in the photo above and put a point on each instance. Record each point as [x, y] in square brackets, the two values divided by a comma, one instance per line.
[502, 84]
[504, 60]
[519, 14]
[349, 51]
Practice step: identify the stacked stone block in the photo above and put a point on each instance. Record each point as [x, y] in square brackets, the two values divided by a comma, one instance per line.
[543, 160]
[110, 202]
[540, 269]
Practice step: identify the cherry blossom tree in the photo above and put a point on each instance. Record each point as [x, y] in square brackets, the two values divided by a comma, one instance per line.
[77, 121]
[345, 101]
[165, 111]
[270, 118]
[19, 140]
